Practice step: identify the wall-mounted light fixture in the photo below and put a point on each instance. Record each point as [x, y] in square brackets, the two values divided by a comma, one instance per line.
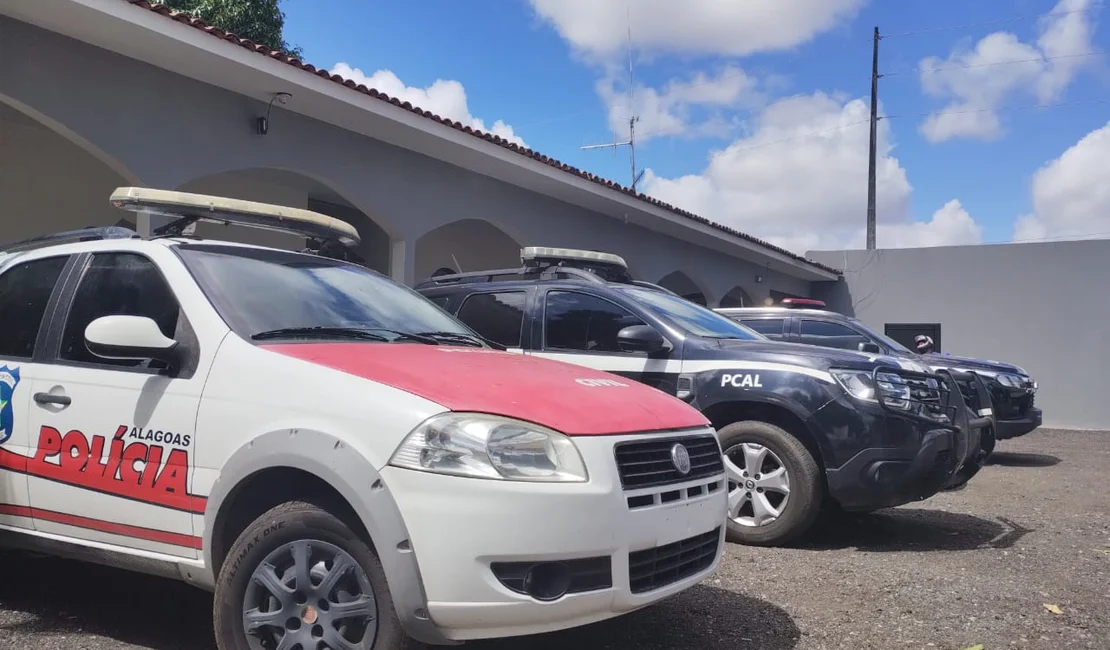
[758, 279]
[264, 121]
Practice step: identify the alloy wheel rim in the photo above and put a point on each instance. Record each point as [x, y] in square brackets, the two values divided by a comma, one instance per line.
[758, 485]
[310, 595]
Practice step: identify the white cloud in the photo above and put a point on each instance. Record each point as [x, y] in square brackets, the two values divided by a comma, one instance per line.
[977, 81]
[800, 181]
[683, 107]
[599, 28]
[446, 98]
[1071, 198]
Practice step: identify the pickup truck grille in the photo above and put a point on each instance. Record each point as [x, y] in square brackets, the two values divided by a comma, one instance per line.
[647, 463]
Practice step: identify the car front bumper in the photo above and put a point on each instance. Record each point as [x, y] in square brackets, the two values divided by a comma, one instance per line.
[1006, 429]
[888, 477]
[476, 539]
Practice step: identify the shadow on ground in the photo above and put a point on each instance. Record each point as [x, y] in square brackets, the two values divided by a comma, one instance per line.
[1015, 459]
[61, 597]
[913, 530]
[703, 617]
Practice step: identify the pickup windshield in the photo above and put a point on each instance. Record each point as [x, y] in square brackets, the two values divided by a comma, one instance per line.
[690, 316]
[269, 294]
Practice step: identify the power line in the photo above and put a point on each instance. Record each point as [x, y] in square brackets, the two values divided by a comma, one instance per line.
[988, 65]
[994, 22]
[998, 108]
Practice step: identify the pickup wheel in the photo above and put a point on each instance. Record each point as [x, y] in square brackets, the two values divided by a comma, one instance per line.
[300, 578]
[775, 489]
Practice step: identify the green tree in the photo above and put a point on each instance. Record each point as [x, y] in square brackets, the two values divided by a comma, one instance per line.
[261, 21]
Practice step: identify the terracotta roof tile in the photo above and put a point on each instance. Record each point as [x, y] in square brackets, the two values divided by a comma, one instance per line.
[293, 61]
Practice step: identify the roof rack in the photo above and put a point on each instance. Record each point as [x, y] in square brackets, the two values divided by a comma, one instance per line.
[189, 208]
[528, 273]
[91, 233]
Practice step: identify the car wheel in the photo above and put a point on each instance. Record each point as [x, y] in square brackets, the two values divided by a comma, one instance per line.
[775, 490]
[299, 577]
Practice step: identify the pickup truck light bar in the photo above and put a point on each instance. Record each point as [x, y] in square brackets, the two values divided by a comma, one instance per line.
[802, 303]
[189, 208]
[538, 254]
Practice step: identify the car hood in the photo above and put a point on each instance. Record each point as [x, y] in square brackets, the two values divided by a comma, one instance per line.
[810, 356]
[565, 397]
[952, 361]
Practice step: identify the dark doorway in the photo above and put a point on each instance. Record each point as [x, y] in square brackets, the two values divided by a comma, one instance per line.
[904, 333]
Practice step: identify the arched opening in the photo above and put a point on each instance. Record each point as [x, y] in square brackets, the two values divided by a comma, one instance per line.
[737, 297]
[52, 180]
[680, 283]
[296, 190]
[465, 245]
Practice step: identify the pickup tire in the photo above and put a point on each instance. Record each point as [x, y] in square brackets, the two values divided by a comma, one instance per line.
[779, 449]
[292, 550]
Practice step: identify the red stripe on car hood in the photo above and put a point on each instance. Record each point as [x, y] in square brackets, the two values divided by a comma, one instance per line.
[503, 383]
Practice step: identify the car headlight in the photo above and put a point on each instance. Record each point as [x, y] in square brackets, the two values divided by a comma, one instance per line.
[491, 447]
[1010, 380]
[859, 384]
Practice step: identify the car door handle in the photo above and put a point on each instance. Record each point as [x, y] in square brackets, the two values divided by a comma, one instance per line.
[47, 398]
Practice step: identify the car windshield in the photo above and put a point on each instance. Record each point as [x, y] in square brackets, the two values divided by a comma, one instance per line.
[264, 293]
[692, 317]
[889, 342]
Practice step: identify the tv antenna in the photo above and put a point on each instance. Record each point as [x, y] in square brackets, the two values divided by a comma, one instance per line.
[631, 142]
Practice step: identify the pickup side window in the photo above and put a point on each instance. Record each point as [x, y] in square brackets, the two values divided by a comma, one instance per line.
[579, 321]
[118, 284]
[496, 316]
[769, 327]
[830, 335]
[25, 290]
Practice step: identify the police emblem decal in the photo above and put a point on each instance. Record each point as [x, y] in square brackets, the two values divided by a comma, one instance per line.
[680, 456]
[9, 379]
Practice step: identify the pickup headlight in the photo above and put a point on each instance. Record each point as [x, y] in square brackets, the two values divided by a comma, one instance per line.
[1010, 380]
[491, 447]
[858, 383]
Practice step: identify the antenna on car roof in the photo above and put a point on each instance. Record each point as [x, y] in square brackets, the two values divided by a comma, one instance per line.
[187, 209]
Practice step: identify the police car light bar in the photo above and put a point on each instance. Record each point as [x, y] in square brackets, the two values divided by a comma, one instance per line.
[534, 253]
[228, 211]
[803, 302]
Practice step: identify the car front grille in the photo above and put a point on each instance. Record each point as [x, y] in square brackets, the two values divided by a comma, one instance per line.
[658, 567]
[647, 463]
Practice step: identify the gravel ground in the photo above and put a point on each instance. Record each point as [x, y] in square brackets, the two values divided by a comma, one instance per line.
[961, 569]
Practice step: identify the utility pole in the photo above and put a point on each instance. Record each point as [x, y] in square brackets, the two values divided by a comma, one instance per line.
[874, 136]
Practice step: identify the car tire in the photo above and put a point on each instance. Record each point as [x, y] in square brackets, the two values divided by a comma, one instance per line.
[806, 485]
[277, 539]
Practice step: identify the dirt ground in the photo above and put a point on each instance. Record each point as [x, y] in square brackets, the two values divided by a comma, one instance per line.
[982, 566]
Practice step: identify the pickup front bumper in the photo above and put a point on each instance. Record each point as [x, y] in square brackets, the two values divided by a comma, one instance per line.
[1006, 429]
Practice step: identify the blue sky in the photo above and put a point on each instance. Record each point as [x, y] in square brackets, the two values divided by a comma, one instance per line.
[788, 164]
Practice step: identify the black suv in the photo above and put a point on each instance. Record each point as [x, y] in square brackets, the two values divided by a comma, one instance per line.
[1011, 388]
[800, 427]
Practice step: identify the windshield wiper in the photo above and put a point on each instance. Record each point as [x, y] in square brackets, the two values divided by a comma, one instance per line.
[475, 340]
[363, 333]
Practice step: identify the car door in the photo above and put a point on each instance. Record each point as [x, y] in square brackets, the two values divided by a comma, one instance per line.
[581, 327]
[111, 459]
[498, 316]
[770, 326]
[829, 334]
[28, 292]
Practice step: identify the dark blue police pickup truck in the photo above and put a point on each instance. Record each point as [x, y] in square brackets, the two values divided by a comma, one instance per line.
[800, 427]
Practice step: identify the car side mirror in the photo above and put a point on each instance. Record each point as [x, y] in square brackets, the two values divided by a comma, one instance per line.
[641, 338]
[131, 337]
[868, 346]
